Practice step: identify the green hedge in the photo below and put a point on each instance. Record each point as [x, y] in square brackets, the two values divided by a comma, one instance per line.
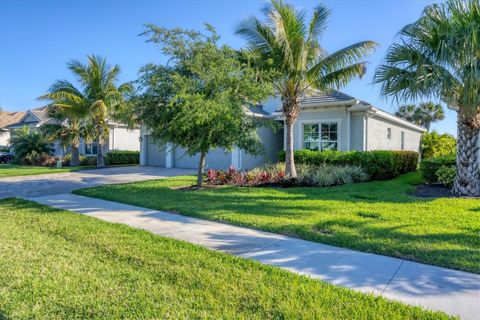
[122, 157]
[379, 165]
[429, 167]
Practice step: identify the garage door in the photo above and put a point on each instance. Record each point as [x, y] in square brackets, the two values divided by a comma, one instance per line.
[156, 154]
[216, 159]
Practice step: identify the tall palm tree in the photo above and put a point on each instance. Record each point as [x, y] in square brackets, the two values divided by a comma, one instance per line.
[288, 45]
[97, 94]
[437, 56]
[429, 112]
[70, 109]
[408, 112]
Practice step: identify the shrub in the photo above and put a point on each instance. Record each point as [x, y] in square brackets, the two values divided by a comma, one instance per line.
[84, 161]
[429, 167]
[42, 160]
[329, 175]
[437, 145]
[308, 175]
[119, 157]
[379, 164]
[446, 175]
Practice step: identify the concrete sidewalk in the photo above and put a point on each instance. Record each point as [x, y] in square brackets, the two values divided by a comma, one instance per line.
[454, 292]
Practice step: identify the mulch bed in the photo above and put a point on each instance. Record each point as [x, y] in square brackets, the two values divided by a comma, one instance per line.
[433, 191]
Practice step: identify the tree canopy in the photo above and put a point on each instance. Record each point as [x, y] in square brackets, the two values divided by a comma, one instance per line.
[199, 100]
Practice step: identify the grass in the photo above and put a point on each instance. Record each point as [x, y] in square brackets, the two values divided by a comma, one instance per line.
[61, 265]
[10, 170]
[378, 217]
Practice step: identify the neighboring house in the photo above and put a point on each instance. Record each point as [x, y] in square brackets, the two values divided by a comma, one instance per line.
[6, 119]
[327, 121]
[119, 138]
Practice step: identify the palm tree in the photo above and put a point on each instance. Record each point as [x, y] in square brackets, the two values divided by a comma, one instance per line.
[70, 111]
[98, 97]
[408, 112]
[26, 143]
[429, 112]
[437, 56]
[288, 45]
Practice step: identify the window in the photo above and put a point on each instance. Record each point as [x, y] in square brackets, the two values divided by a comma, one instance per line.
[402, 140]
[320, 136]
[389, 133]
[91, 148]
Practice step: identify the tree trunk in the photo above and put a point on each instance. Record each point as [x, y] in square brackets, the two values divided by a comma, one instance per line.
[75, 159]
[467, 181]
[290, 170]
[100, 159]
[201, 167]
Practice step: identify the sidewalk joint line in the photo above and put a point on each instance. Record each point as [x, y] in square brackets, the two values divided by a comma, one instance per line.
[393, 276]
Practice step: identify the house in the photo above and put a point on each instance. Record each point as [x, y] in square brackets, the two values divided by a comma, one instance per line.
[6, 119]
[120, 137]
[327, 121]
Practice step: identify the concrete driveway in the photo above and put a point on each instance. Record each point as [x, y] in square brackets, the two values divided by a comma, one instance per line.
[59, 183]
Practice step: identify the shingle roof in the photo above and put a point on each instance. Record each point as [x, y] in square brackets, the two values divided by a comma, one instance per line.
[8, 118]
[333, 96]
[41, 113]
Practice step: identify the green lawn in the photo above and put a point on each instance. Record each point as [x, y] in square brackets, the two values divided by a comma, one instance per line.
[10, 170]
[60, 265]
[378, 217]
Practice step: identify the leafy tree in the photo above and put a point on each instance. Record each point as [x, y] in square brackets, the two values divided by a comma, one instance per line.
[198, 101]
[98, 98]
[290, 45]
[437, 56]
[26, 143]
[70, 111]
[437, 145]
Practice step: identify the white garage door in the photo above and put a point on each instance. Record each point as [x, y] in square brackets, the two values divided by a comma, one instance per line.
[156, 154]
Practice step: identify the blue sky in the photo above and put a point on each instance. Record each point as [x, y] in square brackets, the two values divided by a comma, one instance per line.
[38, 37]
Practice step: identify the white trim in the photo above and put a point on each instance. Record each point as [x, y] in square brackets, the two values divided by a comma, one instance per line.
[320, 121]
[143, 150]
[169, 155]
[349, 129]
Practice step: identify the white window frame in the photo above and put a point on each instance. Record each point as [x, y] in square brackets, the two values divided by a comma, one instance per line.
[402, 140]
[319, 123]
[91, 148]
[389, 133]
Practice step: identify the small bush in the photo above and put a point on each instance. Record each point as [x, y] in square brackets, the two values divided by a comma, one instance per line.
[429, 167]
[446, 175]
[42, 160]
[378, 164]
[329, 175]
[438, 145]
[118, 157]
[84, 161]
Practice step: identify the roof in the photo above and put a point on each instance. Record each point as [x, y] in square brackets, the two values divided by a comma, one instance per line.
[257, 111]
[328, 97]
[8, 118]
[39, 114]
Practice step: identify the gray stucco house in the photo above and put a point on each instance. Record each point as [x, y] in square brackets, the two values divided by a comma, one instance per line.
[119, 138]
[327, 121]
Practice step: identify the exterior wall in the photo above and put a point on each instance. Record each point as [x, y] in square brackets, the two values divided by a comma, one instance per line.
[4, 139]
[377, 135]
[124, 139]
[356, 131]
[325, 114]
[273, 142]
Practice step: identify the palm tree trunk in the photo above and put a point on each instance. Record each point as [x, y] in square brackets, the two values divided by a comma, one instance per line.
[75, 160]
[100, 159]
[201, 167]
[467, 181]
[290, 170]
